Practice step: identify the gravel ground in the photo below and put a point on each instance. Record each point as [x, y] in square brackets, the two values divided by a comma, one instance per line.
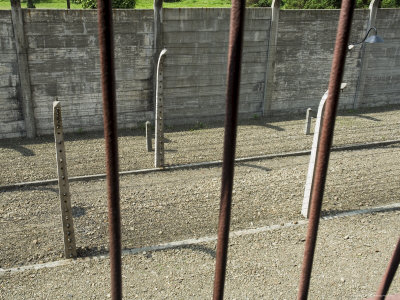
[175, 205]
[28, 160]
[351, 256]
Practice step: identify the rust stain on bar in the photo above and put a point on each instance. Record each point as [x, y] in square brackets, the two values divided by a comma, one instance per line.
[389, 274]
[106, 41]
[339, 57]
[232, 103]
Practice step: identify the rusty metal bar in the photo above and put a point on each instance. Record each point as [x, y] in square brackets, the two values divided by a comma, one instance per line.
[389, 274]
[106, 42]
[232, 103]
[325, 144]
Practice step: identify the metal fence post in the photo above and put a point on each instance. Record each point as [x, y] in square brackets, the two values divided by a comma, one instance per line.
[389, 274]
[108, 83]
[325, 143]
[228, 165]
[63, 184]
[159, 119]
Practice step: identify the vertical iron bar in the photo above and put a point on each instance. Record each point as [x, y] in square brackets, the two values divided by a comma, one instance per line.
[232, 103]
[325, 143]
[106, 42]
[389, 274]
[68, 4]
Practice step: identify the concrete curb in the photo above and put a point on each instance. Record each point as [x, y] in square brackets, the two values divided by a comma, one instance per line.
[188, 242]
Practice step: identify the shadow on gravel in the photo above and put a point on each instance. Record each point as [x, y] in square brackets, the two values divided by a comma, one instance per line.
[367, 117]
[200, 248]
[43, 188]
[90, 251]
[334, 213]
[19, 148]
[277, 128]
[194, 248]
[78, 211]
[255, 166]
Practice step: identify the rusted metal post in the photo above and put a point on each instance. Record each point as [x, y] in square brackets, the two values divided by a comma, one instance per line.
[63, 184]
[339, 57]
[389, 274]
[232, 103]
[106, 41]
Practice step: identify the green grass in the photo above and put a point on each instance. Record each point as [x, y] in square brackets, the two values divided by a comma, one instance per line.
[186, 3]
[140, 4]
[55, 4]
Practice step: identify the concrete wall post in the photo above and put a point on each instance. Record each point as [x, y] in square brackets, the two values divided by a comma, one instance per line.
[158, 41]
[308, 121]
[63, 184]
[148, 137]
[313, 158]
[358, 96]
[23, 68]
[270, 72]
[159, 118]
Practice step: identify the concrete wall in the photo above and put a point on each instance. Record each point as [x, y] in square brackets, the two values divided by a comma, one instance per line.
[11, 120]
[64, 63]
[305, 46]
[196, 64]
[63, 60]
[383, 75]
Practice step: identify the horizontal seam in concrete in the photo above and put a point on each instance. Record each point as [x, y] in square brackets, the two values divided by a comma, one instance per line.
[196, 165]
[188, 242]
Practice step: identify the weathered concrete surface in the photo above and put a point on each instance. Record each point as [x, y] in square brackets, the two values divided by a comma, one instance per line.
[63, 62]
[11, 120]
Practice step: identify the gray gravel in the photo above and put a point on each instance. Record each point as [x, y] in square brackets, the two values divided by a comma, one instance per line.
[352, 254]
[182, 204]
[29, 160]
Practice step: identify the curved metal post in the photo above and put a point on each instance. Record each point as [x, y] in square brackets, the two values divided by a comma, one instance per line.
[159, 118]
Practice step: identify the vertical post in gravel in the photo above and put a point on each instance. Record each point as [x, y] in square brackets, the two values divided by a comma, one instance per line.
[148, 136]
[308, 121]
[159, 119]
[63, 184]
[305, 208]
